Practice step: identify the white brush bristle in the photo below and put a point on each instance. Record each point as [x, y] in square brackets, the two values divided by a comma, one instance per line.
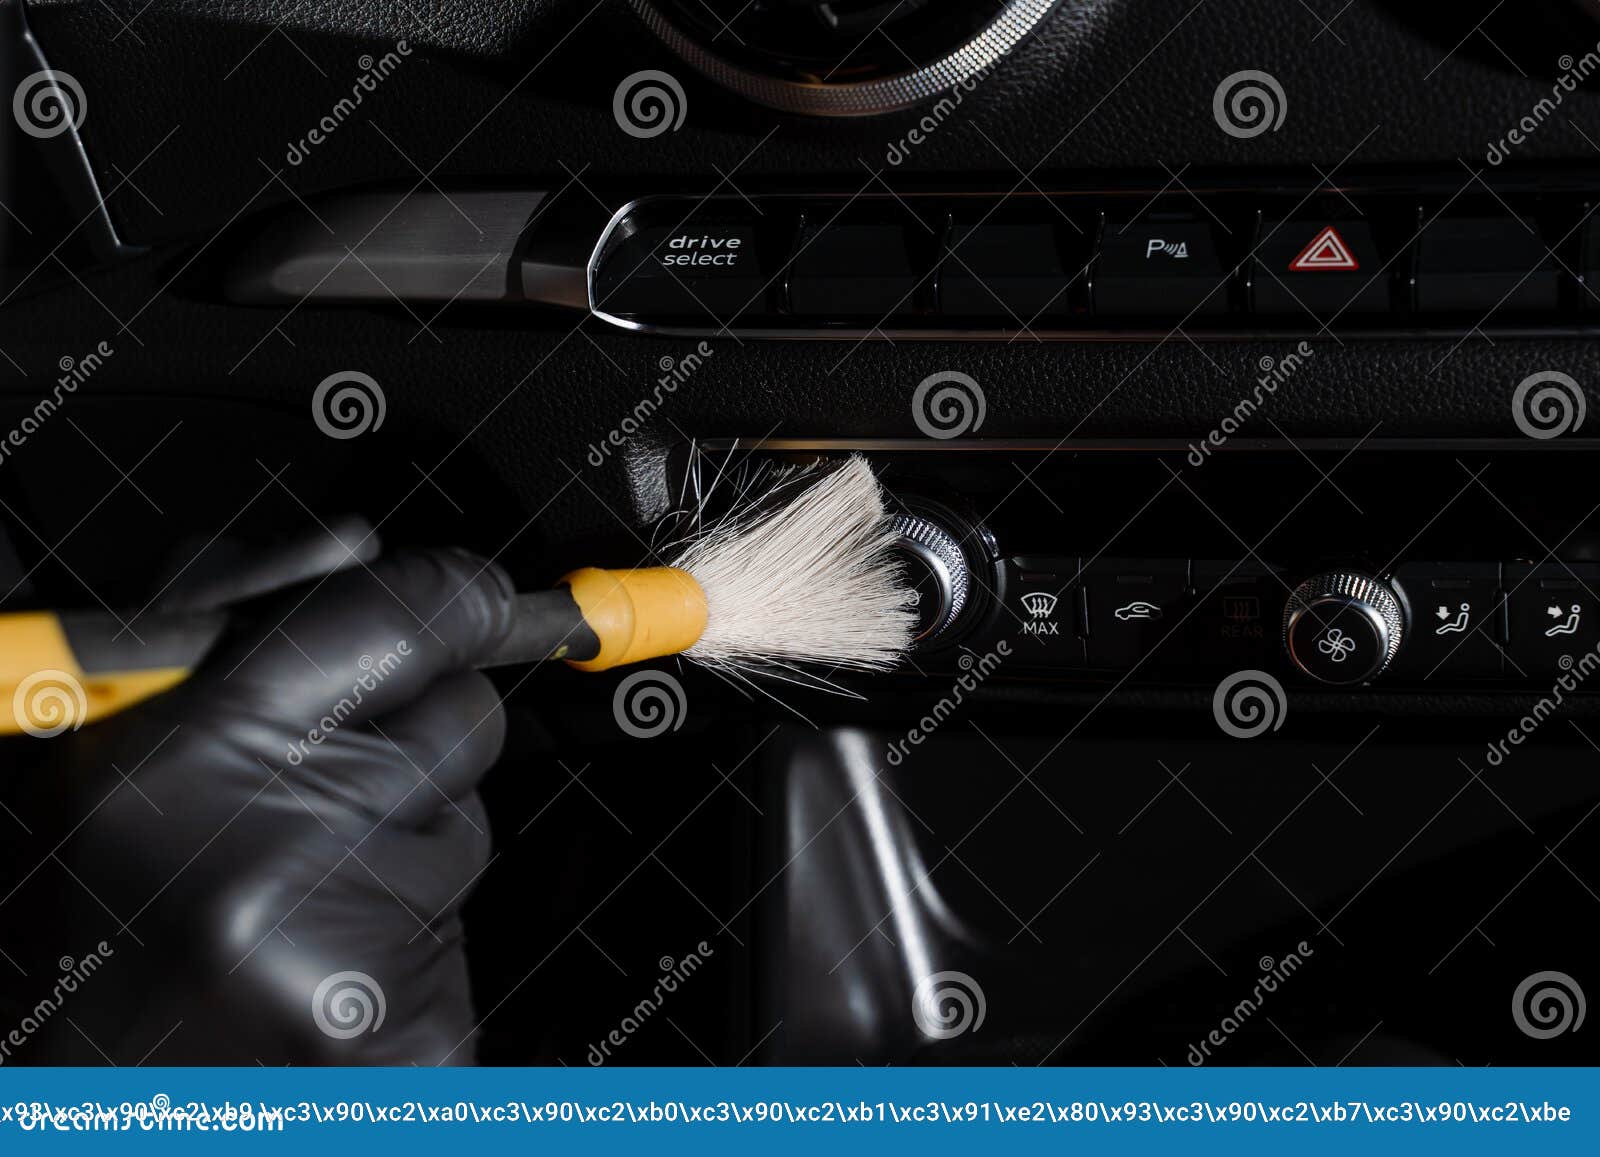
[806, 576]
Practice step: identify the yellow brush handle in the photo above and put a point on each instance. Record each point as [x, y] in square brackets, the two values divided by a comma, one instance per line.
[47, 688]
[60, 671]
[637, 614]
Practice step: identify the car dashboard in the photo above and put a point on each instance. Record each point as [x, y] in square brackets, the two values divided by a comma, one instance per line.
[1166, 325]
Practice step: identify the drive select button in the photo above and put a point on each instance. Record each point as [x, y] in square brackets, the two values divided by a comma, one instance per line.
[691, 271]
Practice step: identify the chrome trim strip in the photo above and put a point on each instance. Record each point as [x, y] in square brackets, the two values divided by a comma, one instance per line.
[866, 98]
[1137, 445]
[1088, 335]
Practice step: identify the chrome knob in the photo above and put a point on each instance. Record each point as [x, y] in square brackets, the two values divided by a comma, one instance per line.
[1342, 627]
[937, 571]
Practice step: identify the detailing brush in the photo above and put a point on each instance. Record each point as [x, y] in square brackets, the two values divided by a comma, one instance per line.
[800, 573]
[803, 573]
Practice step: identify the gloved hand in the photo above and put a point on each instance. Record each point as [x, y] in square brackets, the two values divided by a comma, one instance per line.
[267, 864]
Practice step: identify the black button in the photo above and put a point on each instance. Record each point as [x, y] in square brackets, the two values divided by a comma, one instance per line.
[1455, 621]
[1589, 263]
[1552, 617]
[1036, 614]
[858, 270]
[1015, 271]
[1159, 266]
[1239, 620]
[706, 268]
[1320, 266]
[1132, 604]
[1475, 265]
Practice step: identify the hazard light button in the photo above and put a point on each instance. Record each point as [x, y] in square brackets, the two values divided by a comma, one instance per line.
[1318, 266]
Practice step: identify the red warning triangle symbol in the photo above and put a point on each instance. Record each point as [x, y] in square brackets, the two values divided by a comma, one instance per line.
[1326, 251]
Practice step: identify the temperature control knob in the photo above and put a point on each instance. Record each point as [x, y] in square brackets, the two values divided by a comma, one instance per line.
[938, 572]
[1342, 627]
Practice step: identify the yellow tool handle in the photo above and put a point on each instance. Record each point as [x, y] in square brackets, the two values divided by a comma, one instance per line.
[59, 671]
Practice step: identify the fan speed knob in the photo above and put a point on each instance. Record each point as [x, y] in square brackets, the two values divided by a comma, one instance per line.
[1342, 627]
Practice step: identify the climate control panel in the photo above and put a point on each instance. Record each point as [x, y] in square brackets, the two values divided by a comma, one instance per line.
[1115, 562]
[1424, 623]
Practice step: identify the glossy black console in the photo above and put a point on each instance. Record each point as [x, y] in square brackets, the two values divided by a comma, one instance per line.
[1390, 256]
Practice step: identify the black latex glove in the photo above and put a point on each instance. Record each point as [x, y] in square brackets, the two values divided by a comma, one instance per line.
[250, 867]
